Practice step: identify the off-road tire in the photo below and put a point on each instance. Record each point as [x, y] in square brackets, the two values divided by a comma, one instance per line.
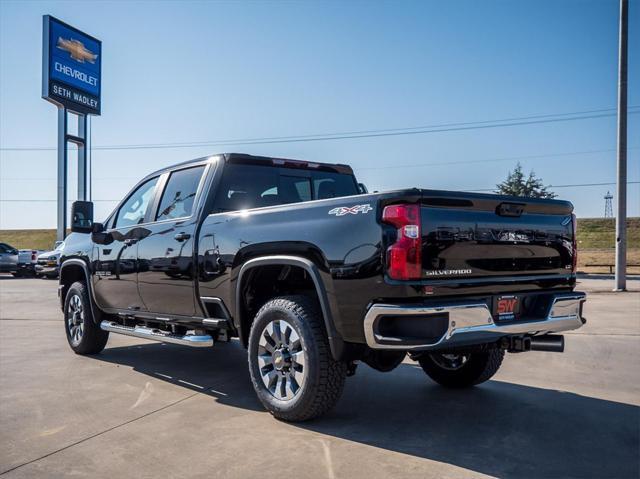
[324, 376]
[93, 339]
[480, 367]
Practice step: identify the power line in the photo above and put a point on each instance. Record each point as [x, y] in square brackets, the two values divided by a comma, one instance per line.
[47, 201]
[417, 130]
[395, 166]
[578, 185]
[386, 130]
[490, 160]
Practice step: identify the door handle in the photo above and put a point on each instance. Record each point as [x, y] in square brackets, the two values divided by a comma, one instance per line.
[130, 241]
[212, 263]
[182, 236]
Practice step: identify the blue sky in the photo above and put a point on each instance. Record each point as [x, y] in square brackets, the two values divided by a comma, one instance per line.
[197, 71]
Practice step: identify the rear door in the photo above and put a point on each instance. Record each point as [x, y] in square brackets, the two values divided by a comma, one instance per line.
[165, 256]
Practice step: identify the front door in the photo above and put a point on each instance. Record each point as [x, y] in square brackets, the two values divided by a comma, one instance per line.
[115, 277]
[165, 256]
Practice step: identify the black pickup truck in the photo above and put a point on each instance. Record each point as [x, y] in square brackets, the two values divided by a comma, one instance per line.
[313, 274]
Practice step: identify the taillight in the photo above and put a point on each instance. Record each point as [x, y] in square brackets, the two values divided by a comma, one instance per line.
[404, 257]
[574, 243]
[33, 255]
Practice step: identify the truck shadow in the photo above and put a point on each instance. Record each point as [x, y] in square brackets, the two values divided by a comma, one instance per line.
[499, 428]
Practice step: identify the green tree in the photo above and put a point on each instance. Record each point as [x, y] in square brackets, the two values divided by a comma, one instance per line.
[517, 184]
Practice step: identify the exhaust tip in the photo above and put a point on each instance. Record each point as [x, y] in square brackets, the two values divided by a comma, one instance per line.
[553, 343]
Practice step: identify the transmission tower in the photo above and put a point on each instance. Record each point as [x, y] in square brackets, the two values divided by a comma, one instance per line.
[608, 207]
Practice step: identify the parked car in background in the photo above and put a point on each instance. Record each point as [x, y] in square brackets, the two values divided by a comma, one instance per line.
[47, 263]
[17, 262]
[27, 259]
[8, 259]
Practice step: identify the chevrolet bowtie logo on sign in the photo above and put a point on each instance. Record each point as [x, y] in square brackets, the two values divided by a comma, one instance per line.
[71, 67]
[77, 50]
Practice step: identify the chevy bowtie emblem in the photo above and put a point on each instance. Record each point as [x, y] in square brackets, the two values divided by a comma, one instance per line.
[77, 50]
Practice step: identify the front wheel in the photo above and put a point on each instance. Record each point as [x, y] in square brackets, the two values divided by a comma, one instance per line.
[291, 367]
[83, 334]
[462, 370]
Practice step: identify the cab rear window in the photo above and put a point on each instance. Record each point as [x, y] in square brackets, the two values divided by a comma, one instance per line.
[252, 186]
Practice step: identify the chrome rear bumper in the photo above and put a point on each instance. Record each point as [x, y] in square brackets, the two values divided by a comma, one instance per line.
[472, 322]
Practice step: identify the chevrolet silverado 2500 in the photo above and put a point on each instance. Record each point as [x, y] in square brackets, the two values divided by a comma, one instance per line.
[314, 275]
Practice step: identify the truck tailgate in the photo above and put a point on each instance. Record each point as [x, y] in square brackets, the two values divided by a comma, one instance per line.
[468, 235]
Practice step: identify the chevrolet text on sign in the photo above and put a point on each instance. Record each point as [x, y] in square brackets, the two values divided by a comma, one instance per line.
[71, 67]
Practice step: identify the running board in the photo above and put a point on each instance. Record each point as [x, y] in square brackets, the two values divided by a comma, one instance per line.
[200, 341]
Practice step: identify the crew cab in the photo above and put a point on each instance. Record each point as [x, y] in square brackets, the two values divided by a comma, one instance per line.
[313, 275]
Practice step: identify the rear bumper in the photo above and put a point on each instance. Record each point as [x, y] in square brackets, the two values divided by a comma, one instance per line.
[469, 323]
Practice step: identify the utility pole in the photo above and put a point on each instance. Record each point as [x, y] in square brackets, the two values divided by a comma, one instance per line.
[621, 217]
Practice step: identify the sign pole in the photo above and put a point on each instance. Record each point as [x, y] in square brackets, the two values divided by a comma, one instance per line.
[82, 159]
[621, 216]
[62, 174]
[87, 152]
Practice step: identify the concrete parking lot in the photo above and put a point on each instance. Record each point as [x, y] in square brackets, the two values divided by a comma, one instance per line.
[144, 409]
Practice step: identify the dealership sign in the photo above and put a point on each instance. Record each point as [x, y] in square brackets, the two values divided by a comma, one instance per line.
[71, 67]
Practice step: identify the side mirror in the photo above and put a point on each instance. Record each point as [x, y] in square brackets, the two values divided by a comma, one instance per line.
[82, 217]
[99, 235]
[362, 189]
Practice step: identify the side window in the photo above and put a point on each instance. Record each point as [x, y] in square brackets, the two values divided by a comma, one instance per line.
[134, 210]
[180, 194]
[333, 185]
[294, 189]
[247, 186]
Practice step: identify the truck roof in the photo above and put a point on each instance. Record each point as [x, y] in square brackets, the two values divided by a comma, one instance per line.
[262, 160]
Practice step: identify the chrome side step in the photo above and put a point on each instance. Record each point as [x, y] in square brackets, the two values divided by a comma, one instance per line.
[195, 341]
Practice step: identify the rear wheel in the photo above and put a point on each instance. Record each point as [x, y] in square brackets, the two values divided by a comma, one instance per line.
[462, 369]
[83, 334]
[291, 367]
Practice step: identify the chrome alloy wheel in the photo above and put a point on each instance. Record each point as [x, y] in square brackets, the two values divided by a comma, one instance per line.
[75, 319]
[281, 360]
[450, 361]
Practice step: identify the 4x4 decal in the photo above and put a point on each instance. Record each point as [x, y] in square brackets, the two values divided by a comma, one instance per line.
[350, 210]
